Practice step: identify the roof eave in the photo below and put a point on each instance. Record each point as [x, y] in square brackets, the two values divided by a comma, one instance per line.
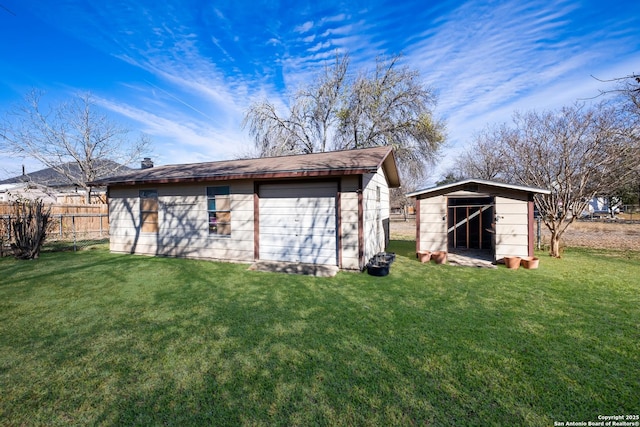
[230, 177]
[388, 163]
[481, 182]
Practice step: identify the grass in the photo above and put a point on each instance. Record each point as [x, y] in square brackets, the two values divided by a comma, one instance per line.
[93, 338]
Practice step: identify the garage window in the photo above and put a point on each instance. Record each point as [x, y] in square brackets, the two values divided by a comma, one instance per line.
[149, 211]
[219, 210]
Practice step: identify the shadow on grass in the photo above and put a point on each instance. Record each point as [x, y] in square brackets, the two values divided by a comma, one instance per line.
[135, 340]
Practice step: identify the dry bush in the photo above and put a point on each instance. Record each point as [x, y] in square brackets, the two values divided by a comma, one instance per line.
[29, 222]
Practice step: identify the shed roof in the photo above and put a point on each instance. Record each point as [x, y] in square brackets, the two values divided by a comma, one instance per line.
[475, 185]
[327, 164]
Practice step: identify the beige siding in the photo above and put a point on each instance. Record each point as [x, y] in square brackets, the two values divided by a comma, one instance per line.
[512, 229]
[376, 212]
[433, 228]
[183, 223]
[349, 222]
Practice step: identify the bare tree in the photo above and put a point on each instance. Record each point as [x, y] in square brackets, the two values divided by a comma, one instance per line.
[627, 86]
[73, 138]
[391, 107]
[398, 196]
[482, 160]
[576, 152]
[388, 107]
[631, 87]
[311, 119]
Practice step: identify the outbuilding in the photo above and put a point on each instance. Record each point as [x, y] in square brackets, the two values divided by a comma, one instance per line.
[486, 217]
[326, 208]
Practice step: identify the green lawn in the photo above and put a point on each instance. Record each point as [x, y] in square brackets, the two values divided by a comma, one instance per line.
[93, 338]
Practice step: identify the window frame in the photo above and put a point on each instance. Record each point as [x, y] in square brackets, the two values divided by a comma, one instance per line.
[149, 208]
[220, 195]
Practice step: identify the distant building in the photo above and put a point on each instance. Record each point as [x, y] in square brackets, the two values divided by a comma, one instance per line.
[26, 190]
[54, 187]
[602, 206]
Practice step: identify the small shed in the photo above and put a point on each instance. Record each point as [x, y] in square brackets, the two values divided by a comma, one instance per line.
[327, 208]
[487, 217]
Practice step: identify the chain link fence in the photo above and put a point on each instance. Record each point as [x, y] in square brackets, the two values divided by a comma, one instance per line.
[69, 231]
[630, 212]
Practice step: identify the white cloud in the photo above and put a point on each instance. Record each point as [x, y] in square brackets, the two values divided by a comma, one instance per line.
[335, 18]
[304, 28]
[188, 139]
[320, 46]
[487, 62]
[485, 59]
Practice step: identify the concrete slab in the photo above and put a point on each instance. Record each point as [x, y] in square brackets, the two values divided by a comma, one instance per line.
[295, 268]
[471, 258]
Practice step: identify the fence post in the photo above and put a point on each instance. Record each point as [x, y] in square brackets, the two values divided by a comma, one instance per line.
[538, 232]
[73, 230]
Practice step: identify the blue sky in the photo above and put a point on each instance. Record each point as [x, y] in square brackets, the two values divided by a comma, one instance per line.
[185, 72]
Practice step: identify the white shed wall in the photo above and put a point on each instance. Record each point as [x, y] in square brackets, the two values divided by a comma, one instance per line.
[183, 223]
[376, 212]
[349, 222]
[433, 228]
[512, 227]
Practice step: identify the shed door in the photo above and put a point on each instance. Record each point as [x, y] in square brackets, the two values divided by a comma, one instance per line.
[470, 223]
[298, 222]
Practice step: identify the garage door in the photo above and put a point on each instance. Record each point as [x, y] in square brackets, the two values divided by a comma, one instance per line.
[298, 222]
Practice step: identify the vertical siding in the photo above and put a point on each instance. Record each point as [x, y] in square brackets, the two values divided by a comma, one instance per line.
[183, 223]
[433, 229]
[512, 227]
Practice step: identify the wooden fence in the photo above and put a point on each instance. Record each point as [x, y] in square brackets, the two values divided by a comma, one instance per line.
[64, 209]
[68, 223]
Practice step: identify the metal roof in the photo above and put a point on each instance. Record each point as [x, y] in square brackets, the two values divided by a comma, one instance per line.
[327, 164]
[479, 182]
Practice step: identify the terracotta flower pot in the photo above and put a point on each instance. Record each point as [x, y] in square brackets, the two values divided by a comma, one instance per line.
[512, 262]
[530, 262]
[440, 257]
[423, 256]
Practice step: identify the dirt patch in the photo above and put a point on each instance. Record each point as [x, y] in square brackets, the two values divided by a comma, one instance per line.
[403, 230]
[599, 235]
[588, 234]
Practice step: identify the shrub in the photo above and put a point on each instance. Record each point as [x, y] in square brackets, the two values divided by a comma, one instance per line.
[29, 224]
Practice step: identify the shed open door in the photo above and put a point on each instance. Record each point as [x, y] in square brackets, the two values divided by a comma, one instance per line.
[470, 223]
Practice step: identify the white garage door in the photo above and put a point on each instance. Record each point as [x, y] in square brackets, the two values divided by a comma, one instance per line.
[298, 222]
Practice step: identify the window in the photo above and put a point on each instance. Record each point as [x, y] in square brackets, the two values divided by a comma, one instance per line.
[219, 209]
[149, 211]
